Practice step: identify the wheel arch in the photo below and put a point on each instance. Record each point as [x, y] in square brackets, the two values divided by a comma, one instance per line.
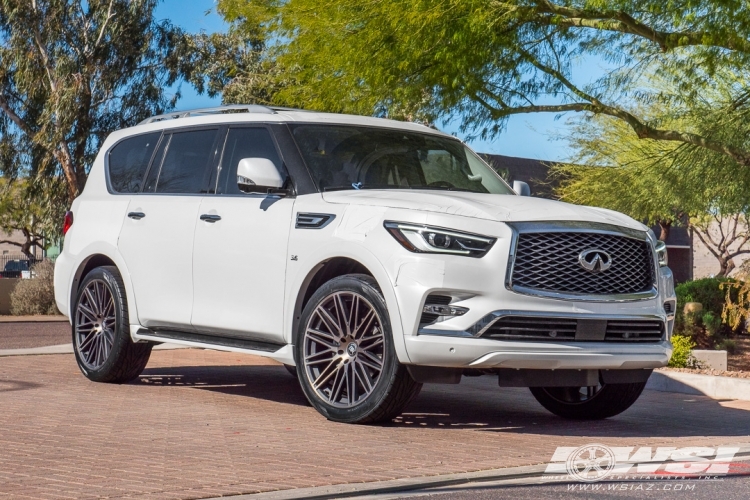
[340, 265]
[92, 261]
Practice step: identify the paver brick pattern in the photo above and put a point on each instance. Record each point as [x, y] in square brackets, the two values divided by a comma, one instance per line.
[202, 424]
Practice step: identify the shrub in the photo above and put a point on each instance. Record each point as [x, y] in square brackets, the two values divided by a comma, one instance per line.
[35, 295]
[727, 345]
[712, 294]
[682, 351]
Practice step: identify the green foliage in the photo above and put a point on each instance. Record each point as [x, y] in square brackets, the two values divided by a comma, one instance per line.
[36, 295]
[485, 60]
[682, 349]
[736, 304]
[728, 345]
[71, 73]
[710, 325]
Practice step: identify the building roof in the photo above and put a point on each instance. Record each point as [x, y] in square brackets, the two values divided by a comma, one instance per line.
[533, 172]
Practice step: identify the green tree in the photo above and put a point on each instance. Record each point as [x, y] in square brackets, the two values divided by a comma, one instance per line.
[485, 60]
[20, 211]
[71, 72]
[659, 182]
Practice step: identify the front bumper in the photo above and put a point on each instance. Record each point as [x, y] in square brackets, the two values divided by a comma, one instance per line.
[462, 352]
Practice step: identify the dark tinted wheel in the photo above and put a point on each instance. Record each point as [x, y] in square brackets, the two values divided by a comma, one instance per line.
[101, 330]
[348, 366]
[588, 403]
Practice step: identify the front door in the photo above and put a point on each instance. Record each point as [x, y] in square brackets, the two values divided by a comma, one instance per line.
[240, 250]
[156, 239]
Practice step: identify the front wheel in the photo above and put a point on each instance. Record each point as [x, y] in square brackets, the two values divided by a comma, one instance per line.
[588, 403]
[348, 366]
[101, 330]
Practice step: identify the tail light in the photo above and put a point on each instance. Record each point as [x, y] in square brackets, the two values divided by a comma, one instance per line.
[67, 222]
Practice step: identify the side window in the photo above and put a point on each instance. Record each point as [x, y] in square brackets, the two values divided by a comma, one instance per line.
[244, 143]
[185, 163]
[129, 160]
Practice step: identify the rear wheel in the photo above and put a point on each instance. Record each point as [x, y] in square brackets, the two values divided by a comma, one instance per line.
[588, 403]
[348, 365]
[101, 330]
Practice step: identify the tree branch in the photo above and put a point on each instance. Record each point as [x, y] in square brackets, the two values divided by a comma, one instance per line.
[622, 22]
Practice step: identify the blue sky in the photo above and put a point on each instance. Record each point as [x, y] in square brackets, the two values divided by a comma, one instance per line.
[530, 136]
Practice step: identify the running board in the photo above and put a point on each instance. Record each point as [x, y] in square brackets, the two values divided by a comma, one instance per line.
[280, 352]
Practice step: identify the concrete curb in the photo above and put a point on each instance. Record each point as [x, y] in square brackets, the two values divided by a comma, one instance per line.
[32, 319]
[395, 485]
[68, 349]
[701, 385]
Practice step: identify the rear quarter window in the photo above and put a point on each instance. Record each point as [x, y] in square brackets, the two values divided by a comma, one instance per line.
[128, 162]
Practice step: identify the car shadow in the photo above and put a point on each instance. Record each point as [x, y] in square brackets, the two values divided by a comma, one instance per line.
[477, 403]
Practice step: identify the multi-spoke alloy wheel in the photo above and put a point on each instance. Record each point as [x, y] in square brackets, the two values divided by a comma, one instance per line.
[101, 329]
[95, 324]
[344, 348]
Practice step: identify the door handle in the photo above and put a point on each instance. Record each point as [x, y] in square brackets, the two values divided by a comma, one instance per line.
[136, 215]
[210, 218]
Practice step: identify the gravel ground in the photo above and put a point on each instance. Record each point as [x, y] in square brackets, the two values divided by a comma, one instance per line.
[719, 373]
[33, 334]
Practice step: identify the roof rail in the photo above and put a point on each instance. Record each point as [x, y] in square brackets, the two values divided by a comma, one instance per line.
[248, 108]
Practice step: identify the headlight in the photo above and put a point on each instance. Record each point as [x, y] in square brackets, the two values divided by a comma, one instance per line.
[428, 239]
[661, 252]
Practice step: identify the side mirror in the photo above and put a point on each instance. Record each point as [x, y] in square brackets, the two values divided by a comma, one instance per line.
[255, 173]
[521, 188]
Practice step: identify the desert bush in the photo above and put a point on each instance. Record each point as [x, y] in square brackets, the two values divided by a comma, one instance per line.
[736, 304]
[727, 345]
[35, 295]
[682, 351]
[709, 325]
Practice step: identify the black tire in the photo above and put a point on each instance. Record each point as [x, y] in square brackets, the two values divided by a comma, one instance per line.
[568, 402]
[393, 388]
[125, 360]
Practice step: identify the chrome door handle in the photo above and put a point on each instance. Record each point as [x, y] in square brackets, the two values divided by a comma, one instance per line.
[136, 215]
[210, 218]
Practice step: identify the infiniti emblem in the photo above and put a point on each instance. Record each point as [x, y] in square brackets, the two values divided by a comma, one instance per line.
[351, 349]
[595, 260]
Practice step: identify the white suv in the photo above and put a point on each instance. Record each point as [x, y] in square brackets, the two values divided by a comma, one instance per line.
[369, 256]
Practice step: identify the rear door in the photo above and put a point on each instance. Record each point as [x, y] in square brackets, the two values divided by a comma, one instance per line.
[240, 256]
[156, 239]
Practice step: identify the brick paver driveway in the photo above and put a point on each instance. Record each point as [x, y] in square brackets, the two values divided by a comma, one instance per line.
[201, 423]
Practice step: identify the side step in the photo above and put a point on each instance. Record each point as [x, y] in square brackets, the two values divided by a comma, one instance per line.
[209, 340]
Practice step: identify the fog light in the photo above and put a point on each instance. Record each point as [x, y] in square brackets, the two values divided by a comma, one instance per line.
[444, 310]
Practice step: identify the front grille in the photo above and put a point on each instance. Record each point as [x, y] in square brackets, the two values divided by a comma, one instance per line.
[549, 262]
[569, 329]
[634, 331]
[524, 328]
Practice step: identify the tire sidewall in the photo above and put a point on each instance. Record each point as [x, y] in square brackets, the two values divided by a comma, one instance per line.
[122, 333]
[365, 286]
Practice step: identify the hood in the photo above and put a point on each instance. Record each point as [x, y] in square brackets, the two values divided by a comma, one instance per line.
[495, 207]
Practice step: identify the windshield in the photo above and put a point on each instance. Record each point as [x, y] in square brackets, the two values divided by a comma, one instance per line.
[348, 157]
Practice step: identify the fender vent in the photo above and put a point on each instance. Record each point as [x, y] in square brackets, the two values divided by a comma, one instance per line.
[313, 221]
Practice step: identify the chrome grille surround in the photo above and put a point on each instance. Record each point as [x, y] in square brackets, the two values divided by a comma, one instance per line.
[544, 262]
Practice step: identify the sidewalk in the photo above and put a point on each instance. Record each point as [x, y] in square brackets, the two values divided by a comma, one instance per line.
[31, 319]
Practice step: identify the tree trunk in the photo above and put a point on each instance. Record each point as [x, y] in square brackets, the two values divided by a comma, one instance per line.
[726, 266]
[665, 226]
